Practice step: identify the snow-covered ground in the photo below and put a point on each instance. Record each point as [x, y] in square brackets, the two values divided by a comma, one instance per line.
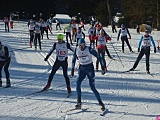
[128, 96]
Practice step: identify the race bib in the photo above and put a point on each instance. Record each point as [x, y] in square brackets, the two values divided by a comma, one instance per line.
[84, 59]
[146, 42]
[61, 55]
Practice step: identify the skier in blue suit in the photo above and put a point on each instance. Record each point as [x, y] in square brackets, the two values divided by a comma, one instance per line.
[84, 54]
[145, 43]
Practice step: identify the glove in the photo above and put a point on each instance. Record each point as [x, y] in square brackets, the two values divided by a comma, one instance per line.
[138, 49]
[45, 59]
[103, 72]
[154, 50]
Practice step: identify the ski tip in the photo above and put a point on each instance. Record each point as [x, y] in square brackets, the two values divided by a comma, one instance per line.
[104, 112]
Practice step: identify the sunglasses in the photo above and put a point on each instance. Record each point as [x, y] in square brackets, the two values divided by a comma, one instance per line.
[81, 44]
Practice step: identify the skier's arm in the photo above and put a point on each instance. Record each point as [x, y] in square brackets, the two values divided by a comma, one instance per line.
[73, 62]
[6, 54]
[69, 47]
[50, 52]
[119, 34]
[128, 33]
[65, 28]
[153, 43]
[140, 42]
[94, 53]
[83, 35]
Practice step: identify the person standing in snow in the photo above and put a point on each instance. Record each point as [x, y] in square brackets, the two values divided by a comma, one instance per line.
[61, 48]
[31, 27]
[113, 26]
[84, 54]
[6, 24]
[91, 35]
[123, 32]
[74, 28]
[145, 41]
[68, 30]
[43, 28]
[37, 32]
[79, 34]
[58, 24]
[4, 62]
[97, 33]
[82, 24]
[11, 21]
[102, 48]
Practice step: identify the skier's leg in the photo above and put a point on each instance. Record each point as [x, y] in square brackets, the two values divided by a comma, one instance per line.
[147, 53]
[8, 83]
[138, 58]
[65, 74]
[127, 42]
[55, 67]
[91, 77]
[81, 76]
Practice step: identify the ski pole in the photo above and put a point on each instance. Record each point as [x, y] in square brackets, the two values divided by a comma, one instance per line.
[109, 62]
[116, 53]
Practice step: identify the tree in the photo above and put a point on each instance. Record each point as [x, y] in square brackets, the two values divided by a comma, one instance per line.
[101, 13]
[141, 11]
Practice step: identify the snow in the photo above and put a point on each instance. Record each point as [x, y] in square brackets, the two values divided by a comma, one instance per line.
[128, 96]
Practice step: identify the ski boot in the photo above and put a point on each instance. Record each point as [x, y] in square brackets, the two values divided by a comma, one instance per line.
[147, 72]
[47, 86]
[132, 69]
[102, 106]
[78, 106]
[8, 83]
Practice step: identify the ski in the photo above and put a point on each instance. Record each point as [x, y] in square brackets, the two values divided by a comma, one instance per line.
[125, 71]
[128, 71]
[81, 109]
[38, 92]
[104, 112]
[150, 74]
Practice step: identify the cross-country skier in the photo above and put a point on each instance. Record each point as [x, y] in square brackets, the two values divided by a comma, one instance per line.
[123, 32]
[74, 28]
[68, 30]
[4, 62]
[58, 24]
[102, 48]
[82, 24]
[6, 24]
[145, 41]
[84, 54]
[91, 35]
[113, 26]
[31, 27]
[61, 48]
[79, 34]
[37, 32]
[43, 28]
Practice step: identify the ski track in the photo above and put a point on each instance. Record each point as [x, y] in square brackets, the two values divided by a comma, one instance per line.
[128, 96]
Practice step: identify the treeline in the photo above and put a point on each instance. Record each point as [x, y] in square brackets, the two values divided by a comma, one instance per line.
[141, 12]
[51, 7]
[133, 11]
